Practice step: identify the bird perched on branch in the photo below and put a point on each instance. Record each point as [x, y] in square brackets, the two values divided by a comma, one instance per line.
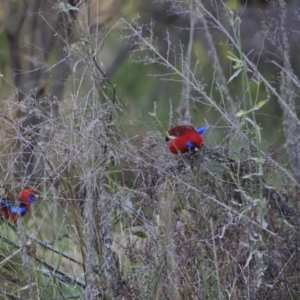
[13, 212]
[184, 138]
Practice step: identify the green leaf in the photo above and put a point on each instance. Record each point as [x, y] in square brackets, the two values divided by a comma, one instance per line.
[260, 104]
[258, 160]
[235, 74]
[241, 113]
[234, 58]
[251, 122]
[256, 107]
[140, 234]
[255, 126]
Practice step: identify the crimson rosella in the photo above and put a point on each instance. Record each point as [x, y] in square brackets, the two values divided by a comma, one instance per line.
[13, 212]
[184, 138]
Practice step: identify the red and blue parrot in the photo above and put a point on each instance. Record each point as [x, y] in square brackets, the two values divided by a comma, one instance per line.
[13, 212]
[184, 138]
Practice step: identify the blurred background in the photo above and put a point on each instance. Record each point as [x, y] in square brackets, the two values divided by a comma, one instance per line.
[140, 80]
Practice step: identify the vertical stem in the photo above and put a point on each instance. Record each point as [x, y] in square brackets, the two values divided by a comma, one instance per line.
[184, 105]
[216, 259]
[89, 228]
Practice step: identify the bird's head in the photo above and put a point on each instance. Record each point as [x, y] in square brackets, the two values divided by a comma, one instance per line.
[29, 195]
[195, 142]
[192, 146]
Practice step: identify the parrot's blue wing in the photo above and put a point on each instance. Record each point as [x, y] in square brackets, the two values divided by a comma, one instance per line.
[4, 203]
[13, 209]
[17, 210]
[202, 129]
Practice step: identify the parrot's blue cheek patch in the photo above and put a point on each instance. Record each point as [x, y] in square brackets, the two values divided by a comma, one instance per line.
[32, 198]
[190, 145]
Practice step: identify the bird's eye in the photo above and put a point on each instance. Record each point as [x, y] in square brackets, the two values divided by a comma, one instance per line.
[167, 139]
